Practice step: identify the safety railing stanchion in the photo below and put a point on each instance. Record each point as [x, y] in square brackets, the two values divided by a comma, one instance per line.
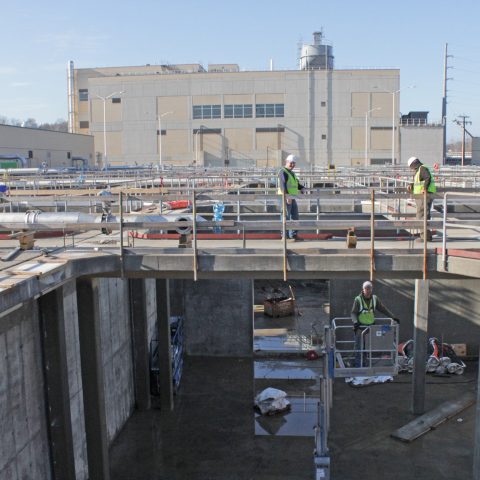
[372, 236]
[425, 211]
[284, 235]
[444, 239]
[120, 208]
[194, 234]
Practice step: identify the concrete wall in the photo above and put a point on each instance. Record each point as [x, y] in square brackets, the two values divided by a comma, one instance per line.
[24, 451]
[46, 146]
[423, 141]
[219, 317]
[453, 307]
[117, 352]
[75, 380]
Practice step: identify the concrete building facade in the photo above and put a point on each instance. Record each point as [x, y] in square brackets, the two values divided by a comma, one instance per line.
[54, 149]
[188, 115]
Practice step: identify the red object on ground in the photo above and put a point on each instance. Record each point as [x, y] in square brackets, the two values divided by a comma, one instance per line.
[312, 355]
[177, 204]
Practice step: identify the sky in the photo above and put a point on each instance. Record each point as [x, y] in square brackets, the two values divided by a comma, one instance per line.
[39, 38]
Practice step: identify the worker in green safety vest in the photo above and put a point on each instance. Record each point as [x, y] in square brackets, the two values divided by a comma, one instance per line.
[288, 183]
[422, 181]
[363, 315]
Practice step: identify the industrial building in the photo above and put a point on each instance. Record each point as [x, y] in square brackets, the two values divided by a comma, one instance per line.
[224, 116]
[35, 147]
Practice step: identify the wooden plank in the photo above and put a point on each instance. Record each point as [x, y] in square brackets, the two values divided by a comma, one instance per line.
[432, 419]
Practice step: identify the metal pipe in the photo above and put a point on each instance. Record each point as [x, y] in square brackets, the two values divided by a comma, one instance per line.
[195, 259]
[372, 236]
[284, 235]
[425, 233]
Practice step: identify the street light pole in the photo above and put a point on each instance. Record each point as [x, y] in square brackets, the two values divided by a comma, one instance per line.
[196, 143]
[393, 119]
[104, 99]
[160, 137]
[366, 132]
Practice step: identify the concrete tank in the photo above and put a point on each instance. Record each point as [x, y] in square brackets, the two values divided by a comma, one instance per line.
[316, 56]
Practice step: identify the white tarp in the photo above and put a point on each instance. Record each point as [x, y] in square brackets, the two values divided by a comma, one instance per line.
[362, 381]
[271, 400]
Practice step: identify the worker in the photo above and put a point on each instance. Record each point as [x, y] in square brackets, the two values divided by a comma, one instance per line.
[422, 180]
[288, 183]
[363, 315]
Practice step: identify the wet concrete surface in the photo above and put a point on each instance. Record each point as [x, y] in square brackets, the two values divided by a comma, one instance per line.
[214, 433]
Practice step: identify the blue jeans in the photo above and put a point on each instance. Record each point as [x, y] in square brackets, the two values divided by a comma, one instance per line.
[292, 214]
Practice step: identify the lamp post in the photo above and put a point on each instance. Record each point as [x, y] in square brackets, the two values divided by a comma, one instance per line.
[393, 119]
[367, 113]
[160, 138]
[104, 99]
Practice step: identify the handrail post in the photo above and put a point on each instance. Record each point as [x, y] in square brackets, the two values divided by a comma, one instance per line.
[194, 233]
[444, 239]
[425, 211]
[122, 259]
[284, 235]
[372, 236]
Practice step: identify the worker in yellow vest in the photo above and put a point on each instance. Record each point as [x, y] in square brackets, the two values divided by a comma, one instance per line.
[363, 315]
[422, 181]
[288, 183]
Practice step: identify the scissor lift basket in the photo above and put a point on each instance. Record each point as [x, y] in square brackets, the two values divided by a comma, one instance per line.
[378, 355]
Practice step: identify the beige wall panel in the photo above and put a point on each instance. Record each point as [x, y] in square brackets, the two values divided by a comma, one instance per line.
[207, 100]
[356, 162]
[211, 143]
[381, 139]
[358, 138]
[113, 111]
[175, 141]
[383, 101]
[239, 139]
[114, 143]
[270, 98]
[273, 140]
[360, 103]
[232, 99]
[83, 107]
[175, 104]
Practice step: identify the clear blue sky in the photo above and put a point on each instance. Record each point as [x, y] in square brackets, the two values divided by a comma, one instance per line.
[38, 39]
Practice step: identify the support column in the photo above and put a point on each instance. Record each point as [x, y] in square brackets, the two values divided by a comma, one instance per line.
[56, 385]
[164, 344]
[219, 317]
[92, 379]
[476, 452]
[141, 366]
[420, 339]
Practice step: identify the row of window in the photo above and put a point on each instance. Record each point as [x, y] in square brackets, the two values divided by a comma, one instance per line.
[262, 110]
[83, 96]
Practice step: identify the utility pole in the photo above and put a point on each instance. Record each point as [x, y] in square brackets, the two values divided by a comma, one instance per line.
[444, 102]
[462, 121]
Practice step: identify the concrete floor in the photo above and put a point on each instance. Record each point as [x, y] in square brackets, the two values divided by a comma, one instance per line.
[211, 433]
[215, 434]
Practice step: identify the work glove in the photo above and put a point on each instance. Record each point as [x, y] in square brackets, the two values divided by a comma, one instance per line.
[397, 320]
[356, 327]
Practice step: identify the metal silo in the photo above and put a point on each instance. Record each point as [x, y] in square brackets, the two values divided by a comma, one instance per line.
[316, 56]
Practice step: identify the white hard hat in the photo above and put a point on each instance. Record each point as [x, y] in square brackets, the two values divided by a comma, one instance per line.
[367, 284]
[411, 160]
[291, 158]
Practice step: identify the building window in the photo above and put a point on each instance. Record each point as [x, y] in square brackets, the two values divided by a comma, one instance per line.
[270, 129]
[83, 94]
[323, 104]
[30, 154]
[116, 100]
[69, 155]
[201, 112]
[324, 137]
[84, 124]
[206, 131]
[269, 110]
[238, 111]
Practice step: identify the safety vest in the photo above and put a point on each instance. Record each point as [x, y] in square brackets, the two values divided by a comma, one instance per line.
[365, 315]
[418, 183]
[292, 183]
